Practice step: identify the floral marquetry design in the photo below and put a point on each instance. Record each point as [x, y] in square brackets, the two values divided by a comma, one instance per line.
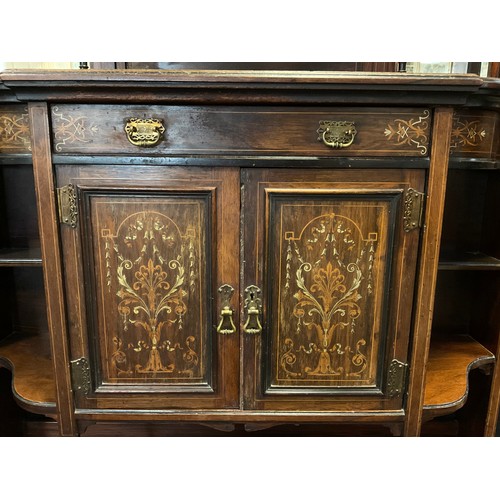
[152, 267]
[328, 284]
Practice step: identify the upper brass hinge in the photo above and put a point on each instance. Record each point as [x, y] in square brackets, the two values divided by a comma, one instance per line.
[80, 375]
[413, 209]
[396, 380]
[66, 201]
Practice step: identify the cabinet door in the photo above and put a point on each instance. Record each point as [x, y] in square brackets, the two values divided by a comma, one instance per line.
[150, 248]
[335, 267]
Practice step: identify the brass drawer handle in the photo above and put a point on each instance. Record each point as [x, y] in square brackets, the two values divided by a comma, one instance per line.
[145, 132]
[253, 307]
[336, 134]
[226, 324]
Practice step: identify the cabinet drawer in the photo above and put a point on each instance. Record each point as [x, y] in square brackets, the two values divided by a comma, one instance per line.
[238, 130]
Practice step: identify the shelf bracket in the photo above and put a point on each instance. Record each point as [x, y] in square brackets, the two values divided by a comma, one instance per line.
[396, 379]
[80, 376]
[66, 201]
[413, 209]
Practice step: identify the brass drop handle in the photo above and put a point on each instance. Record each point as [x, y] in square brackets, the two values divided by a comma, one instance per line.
[144, 132]
[253, 310]
[336, 134]
[226, 324]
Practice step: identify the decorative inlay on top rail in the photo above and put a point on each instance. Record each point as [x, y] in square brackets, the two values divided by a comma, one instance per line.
[412, 132]
[467, 133]
[15, 131]
[69, 129]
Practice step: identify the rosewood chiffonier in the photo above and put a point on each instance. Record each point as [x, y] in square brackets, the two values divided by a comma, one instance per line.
[247, 249]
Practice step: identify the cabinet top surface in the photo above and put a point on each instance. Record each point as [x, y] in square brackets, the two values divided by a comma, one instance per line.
[282, 87]
[225, 76]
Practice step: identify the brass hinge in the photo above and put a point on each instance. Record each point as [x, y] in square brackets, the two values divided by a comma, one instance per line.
[80, 375]
[66, 201]
[413, 209]
[396, 380]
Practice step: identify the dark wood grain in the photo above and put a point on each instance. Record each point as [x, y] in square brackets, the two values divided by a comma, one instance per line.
[47, 216]
[249, 87]
[256, 131]
[324, 191]
[240, 131]
[427, 272]
[195, 366]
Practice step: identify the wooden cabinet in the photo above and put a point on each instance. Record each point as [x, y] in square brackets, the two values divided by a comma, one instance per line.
[145, 254]
[335, 267]
[259, 249]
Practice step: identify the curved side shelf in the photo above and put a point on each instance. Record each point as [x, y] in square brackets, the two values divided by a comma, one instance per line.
[447, 378]
[33, 381]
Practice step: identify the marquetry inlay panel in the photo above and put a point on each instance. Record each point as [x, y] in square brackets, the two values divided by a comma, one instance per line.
[151, 279]
[413, 132]
[14, 130]
[332, 258]
[473, 133]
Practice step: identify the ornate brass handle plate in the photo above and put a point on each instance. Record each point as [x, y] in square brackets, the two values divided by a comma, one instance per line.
[253, 309]
[336, 134]
[226, 324]
[144, 132]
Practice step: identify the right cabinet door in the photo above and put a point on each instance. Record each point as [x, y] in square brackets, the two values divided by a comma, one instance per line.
[329, 264]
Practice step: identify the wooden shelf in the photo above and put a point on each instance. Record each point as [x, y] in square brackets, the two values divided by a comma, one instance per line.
[473, 261]
[447, 380]
[25, 257]
[33, 380]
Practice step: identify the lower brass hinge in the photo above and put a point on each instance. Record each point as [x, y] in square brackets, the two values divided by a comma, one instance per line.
[66, 201]
[396, 380]
[413, 209]
[80, 375]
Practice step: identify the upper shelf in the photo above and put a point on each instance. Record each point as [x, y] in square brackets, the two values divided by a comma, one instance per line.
[20, 257]
[450, 360]
[473, 261]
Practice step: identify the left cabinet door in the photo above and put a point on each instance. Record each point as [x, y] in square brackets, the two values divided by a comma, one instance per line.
[145, 251]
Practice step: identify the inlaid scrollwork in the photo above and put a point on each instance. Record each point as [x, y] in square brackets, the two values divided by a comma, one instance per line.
[70, 129]
[15, 131]
[467, 133]
[328, 279]
[412, 132]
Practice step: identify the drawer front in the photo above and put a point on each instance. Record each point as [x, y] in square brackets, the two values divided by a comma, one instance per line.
[181, 130]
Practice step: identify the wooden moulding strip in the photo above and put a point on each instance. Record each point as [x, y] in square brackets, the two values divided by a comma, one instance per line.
[428, 267]
[52, 268]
